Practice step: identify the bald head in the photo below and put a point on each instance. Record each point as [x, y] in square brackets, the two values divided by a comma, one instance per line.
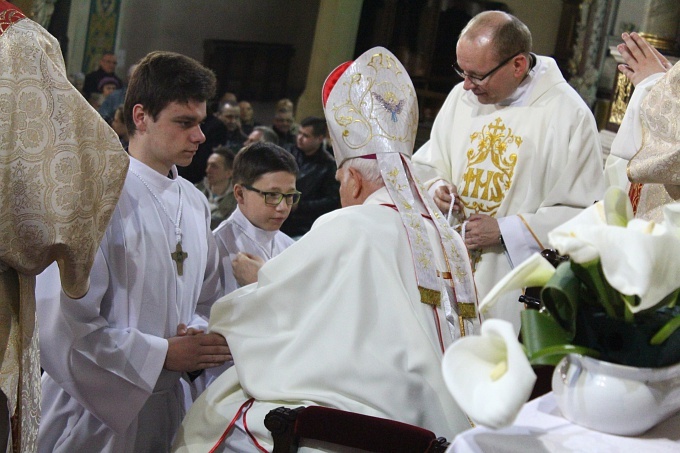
[506, 34]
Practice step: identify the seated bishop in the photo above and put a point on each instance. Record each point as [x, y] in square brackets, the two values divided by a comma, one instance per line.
[357, 314]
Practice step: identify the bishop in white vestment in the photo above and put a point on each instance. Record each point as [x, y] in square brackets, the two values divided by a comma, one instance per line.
[354, 315]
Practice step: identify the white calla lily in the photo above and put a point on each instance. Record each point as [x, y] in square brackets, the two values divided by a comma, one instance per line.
[636, 255]
[534, 271]
[489, 375]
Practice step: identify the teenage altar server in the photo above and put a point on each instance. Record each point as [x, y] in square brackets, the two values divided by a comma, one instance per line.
[113, 359]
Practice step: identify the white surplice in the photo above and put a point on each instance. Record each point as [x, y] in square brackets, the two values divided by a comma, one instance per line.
[236, 234]
[335, 320]
[104, 385]
[532, 162]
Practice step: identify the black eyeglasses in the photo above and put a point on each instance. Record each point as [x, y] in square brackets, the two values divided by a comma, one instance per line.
[477, 80]
[274, 198]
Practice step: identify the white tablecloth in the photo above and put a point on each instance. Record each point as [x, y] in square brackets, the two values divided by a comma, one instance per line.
[539, 428]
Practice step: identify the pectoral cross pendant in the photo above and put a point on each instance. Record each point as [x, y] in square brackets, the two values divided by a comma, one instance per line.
[178, 257]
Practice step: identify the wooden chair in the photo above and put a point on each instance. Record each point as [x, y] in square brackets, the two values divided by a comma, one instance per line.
[348, 429]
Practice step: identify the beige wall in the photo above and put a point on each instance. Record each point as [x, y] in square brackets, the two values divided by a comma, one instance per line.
[147, 25]
[543, 19]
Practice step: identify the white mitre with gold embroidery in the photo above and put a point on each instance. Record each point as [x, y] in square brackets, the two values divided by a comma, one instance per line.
[372, 112]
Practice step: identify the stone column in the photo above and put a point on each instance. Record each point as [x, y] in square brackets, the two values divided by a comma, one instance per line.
[334, 40]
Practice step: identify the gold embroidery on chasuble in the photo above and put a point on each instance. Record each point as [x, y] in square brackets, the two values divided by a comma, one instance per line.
[490, 168]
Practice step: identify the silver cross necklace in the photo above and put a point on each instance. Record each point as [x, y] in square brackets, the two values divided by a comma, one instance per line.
[179, 255]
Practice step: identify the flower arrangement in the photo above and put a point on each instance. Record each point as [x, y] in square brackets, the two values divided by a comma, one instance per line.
[615, 298]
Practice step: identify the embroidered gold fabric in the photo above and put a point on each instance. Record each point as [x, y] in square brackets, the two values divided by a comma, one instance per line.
[657, 164]
[372, 111]
[491, 162]
[62, 172]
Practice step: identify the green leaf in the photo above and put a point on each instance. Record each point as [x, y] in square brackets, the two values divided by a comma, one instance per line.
[540, 331]
[561, 297]
[592, 276]
[666, 331]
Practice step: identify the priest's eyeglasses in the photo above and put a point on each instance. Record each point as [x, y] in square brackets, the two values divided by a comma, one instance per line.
[478, 80]
[275, 198]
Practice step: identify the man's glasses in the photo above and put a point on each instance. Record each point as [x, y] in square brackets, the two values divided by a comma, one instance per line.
[478, 80]
[274, 198]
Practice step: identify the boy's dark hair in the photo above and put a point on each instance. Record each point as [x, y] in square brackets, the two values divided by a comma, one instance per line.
[259, 158]
[165, 77]
[318, 125]
[227, 154]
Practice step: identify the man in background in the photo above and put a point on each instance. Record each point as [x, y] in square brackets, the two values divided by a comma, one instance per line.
[107, 68]
[316, 179]
[217, 186]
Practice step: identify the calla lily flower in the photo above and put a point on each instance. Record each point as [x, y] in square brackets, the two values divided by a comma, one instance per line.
[534, 271]
[489, 375]
[636, 256]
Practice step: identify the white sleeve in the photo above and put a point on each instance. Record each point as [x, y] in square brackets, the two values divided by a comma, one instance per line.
[628, 139]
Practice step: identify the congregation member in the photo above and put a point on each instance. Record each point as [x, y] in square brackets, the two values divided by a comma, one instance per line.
[217, 186]
[262, 134]
[648, 140]
[234, 137]
[247, 117]
[316, 179]
[114, 358]
[282, 125]
[354, 315]
[59, 190]
[115, 99]
[513, 152]
[107, 68]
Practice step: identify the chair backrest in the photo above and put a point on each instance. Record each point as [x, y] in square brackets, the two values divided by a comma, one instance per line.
[349, 429]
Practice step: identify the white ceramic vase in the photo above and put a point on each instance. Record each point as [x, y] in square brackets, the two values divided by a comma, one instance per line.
[613, 398]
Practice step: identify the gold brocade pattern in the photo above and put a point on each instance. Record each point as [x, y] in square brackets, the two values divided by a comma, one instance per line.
[657, 164]
[62, 171]
[622, 94]
[490, 167]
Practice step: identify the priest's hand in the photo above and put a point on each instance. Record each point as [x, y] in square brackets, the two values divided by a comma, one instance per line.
[196, 351]
[481, 231]
[246, 267]
[443, 196]
[642, 59]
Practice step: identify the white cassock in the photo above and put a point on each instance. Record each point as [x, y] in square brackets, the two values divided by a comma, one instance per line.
[532, 163]
[104, 387]
[335, 320]
[236, 234]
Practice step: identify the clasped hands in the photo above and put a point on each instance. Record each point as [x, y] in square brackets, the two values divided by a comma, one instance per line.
[642, 59]
[193, 349]
[481, 230]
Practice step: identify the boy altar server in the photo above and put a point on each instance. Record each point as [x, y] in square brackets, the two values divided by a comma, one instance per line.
[264, 187]
[113, 359]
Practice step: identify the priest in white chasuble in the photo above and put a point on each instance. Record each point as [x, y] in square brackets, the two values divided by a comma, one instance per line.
[513, 152]
[62, 169]
[114, 358]
[354, 315]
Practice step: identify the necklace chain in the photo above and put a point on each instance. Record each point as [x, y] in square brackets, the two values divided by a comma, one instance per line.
[176, 223]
